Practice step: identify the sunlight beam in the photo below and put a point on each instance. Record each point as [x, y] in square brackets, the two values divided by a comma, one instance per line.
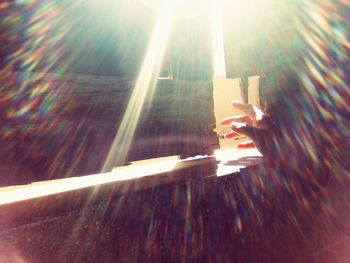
[217, 41]
[144, 88]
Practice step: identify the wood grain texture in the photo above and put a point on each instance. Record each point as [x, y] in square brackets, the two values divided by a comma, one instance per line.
[71, 121]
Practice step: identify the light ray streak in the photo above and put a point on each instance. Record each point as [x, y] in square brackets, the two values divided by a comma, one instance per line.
[217, 41]
[144, 87]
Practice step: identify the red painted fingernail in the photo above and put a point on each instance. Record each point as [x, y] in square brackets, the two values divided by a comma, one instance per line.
[246, 145]
[231, 135]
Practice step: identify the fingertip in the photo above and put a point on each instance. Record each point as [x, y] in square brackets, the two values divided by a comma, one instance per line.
[246, 145]
[236, 102]
[231, 135]
[223, 122]
[226, 121]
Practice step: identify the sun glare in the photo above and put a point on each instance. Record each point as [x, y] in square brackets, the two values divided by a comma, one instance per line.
[184, 8]
[146, 81]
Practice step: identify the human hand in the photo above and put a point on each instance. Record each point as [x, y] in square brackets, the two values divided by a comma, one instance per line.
[256, 125]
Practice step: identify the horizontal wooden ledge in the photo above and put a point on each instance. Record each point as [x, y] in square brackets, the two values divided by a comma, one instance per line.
[149, 173]
[23, 204]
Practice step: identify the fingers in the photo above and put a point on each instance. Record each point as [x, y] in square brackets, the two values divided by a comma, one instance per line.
[254, 124]
[248, 130]
[246, 145]
[240, 118]
[266, 123]
[252, 111]
[231, 135]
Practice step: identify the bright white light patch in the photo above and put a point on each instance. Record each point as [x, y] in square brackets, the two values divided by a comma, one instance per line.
[232, 160]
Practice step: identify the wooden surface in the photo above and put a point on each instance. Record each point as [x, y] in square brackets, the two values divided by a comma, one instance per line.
[72, 120]
[140, 175]
[246, 216]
